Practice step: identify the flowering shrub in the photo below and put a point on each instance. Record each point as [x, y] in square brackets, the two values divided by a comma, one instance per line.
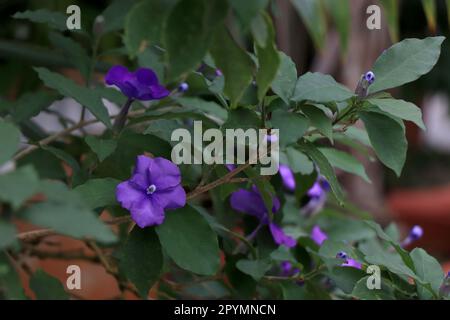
[217, 230]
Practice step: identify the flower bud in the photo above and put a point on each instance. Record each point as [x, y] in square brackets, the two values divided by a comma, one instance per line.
[369, 77]
[416, 233]
[183, 87]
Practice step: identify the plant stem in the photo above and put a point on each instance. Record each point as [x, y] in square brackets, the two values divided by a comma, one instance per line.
[119, 123]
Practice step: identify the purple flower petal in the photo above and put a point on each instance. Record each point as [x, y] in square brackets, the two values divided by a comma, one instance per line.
[316, 190]
[171, 198]
[147, 213]
[287, 176]
[142, 84]
[158, 91]
[280, 237]
[249, 202]
[230, 167]
[146, 76]
[116, 75]
[317, 235]
[140, 181]
[164, 173]
[127, 194]
[142, 164]
[352, 263]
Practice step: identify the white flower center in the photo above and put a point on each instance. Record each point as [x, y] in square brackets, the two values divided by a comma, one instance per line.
[151, 189]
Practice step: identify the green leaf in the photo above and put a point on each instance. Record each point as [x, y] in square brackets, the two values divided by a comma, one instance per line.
[255, 268]
[318, 87]
[188, 32]
[325, 168]
[10, 284]
[286, 78]
[361, 291]
[18, 186]
[47, 287]
[7, 234]
[163, 128]
[345, 162]
[387, 137]
[141, 259]
[235, 64]
[102, 147]
[189, 240]
[383, 235]
[428, 270]
[208, 107]
[30, 104]
[242, 118]
[313, 18]
[268, 60]
[299, 162]
[346, 277]
[75, 53]
[55, 20]
[85, 96]
[66, 214]
[9, 140]
[359, 135]
[63, 156]
[392, 261]
[98, 193]
[292, 126]
[247, 10]
[114, 15]
[149, 13]
[319, 120]
[405, 62]
[401, 109]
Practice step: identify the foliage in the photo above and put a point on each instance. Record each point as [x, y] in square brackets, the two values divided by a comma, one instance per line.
[206, 241]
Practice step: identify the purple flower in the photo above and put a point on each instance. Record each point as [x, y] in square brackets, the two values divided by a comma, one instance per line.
[317, 235]
[230, 167]
[142, 84]
[316, 197]
[183, 87]
[415, 234]
[287, 177]
[252, 203]
[218, 73]
[369, 77]
[154, 187]
[287, 269]
[352, 263]
[348, 262]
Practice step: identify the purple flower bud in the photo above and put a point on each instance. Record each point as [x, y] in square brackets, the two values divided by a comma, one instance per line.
[183, 87]
[219, 73]
[416, 233]
[287, 269]
[342, 255]
[370, 77]
[318, 236]
[287, 177]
